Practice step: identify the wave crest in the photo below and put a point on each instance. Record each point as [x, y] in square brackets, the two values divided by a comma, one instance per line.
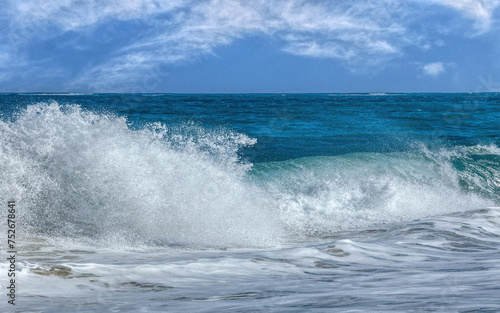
[86, 175]
[81, 174]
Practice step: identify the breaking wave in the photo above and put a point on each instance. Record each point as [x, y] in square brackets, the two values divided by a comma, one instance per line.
[88, 176]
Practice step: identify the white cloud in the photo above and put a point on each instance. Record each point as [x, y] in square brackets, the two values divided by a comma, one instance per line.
[171, 31]
[74, 14]
[356, 33]
[480, 10]
[433, 69]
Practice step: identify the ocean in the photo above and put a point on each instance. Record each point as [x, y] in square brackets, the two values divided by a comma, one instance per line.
[250, 202]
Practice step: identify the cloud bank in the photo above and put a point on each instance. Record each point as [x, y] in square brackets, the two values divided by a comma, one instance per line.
[133, 38]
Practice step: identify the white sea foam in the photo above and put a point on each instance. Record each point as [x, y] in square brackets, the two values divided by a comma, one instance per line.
[77, 173]
[88, 176]
[322, 195]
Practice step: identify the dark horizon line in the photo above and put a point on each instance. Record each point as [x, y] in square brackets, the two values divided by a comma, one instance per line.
[240, 93]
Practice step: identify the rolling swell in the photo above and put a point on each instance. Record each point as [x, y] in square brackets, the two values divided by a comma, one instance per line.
[89, 176]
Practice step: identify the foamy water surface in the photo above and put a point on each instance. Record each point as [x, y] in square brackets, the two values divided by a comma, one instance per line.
[135, 206]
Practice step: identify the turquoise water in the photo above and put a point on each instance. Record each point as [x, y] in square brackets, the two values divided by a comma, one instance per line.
[272, 203]
[293, 126]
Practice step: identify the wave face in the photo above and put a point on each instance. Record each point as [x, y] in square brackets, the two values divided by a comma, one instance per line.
[319, 195]
[89, 176]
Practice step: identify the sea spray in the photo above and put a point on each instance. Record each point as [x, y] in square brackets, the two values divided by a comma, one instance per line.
[87, 175]
[322, 195]
[376, 236]
[92, 177]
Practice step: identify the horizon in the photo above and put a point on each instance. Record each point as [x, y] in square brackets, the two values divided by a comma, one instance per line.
[370, 93]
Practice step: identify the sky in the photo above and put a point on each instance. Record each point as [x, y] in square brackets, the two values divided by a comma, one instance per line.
[252, 46]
